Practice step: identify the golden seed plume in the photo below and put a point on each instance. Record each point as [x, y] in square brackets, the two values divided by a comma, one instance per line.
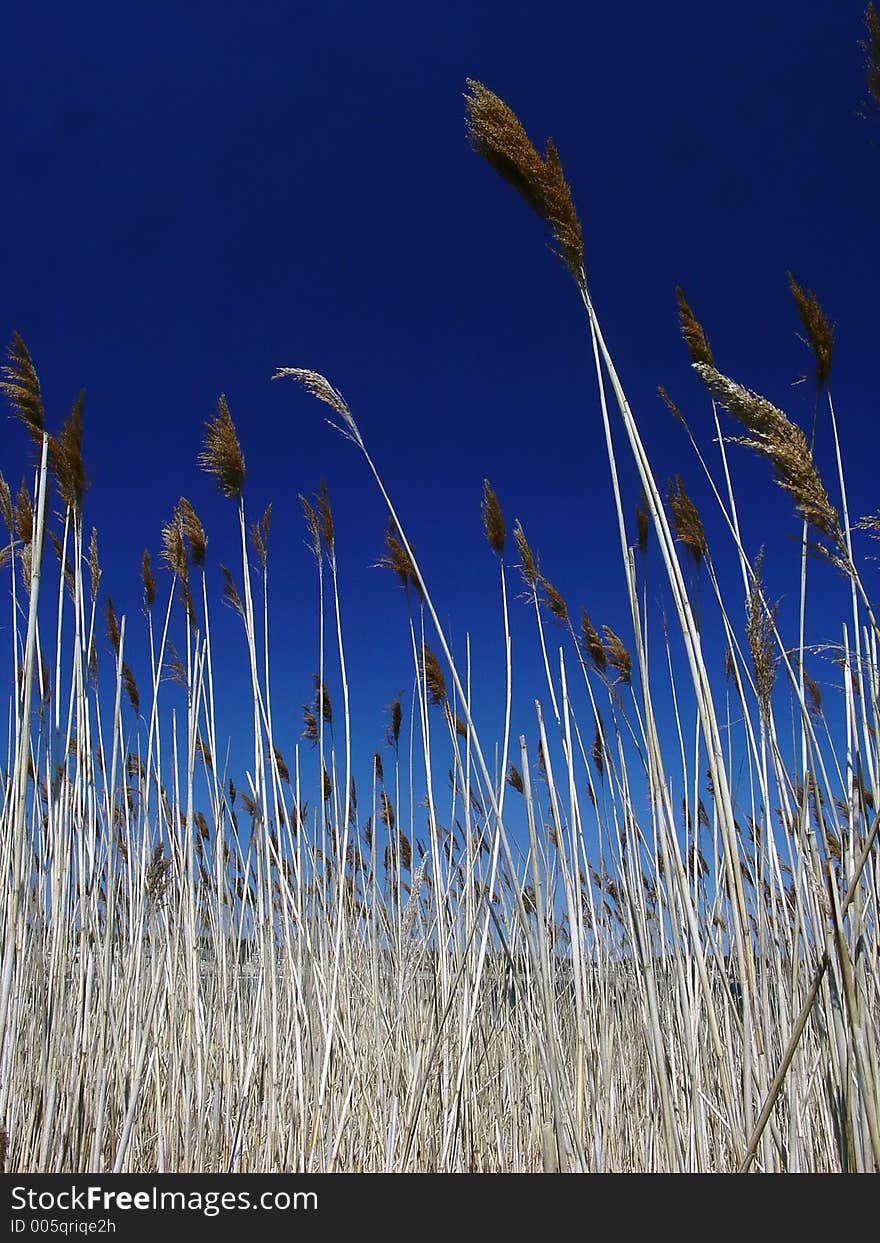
[528, 564]
[618, 657]
[759, 632]
[783, 444]
[222, 456]
[112, 626]
[23, 520]
[496, 133]
[204, 753]
[686, 520]
[310, 725]
[65, 457]
[435, 682]
[94, 563]
[131, 688]
[398, 559]
[258, 543]
[692, 331]
[493, 519]
[283, 770]
[325, 519]
[554, 601]
[21, 385]
[6, 504]
[173, 547]
[598, 751]
[592, 642]
[319, 386]
[312, 523]
[323, 707]
[392, 732]
[193, 531]
[230, 592]
[671, 406]
[820, 333]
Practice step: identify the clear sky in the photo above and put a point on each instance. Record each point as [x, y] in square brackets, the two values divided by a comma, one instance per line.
[197, 194]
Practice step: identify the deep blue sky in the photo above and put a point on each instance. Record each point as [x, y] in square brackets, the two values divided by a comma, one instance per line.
[197, 194]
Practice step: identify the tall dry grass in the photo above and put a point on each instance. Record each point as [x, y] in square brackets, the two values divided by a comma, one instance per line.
[638, 939]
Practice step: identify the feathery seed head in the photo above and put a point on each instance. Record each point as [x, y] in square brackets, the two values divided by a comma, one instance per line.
[783, 443]
[592, 642]
[554, 601]
[94, 563]
[686, 520]
[618, 657]
[22, 386]
[319, 386]
[497, 134]
[222, 456]
[435, 683]
[820, 334]
[528, 564]
[193, 531]
[692, 331]
[493, 519]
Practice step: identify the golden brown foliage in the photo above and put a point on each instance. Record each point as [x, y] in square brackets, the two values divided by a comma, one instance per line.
[222, 456]
[497, 134]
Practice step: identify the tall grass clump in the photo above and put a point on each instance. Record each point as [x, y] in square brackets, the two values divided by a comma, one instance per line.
[640, 936]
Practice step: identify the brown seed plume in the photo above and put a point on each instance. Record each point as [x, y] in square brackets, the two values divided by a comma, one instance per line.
[759, 632]
[692, 331]
[94, 563]
[686, 520]
[493, 519]
[392, 732]
[398, 559]
[283, 770]
[222, 456]
[65, 457]
[230, 592]
[312, 523]
[514, 779]
[435, 682]
[310, 725]
[618, 657]
[671, 406]
[323, 706]
[131, 688]
[496, 133]
[193, 531]
[554, 602]
[528, 564]
[325, 519]
[173, 547]
[598, 751]
[112, 626]
[820, 334]
[319, 386]
[783, 444]
[148, 581]
[21, 385]
[592, 642]
[23, 519]
[6, 504]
